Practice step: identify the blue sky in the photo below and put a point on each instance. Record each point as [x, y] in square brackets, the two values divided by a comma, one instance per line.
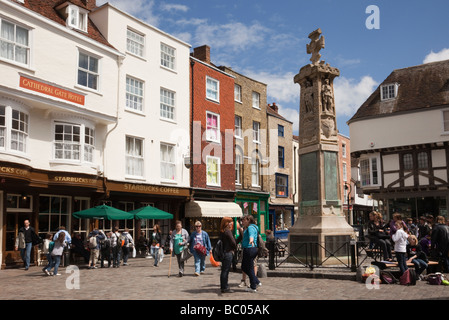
[266, 40]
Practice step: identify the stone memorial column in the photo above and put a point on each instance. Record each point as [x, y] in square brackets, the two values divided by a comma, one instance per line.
[321, 229]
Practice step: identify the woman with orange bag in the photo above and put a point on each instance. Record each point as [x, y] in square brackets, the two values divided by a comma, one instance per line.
[229, 246]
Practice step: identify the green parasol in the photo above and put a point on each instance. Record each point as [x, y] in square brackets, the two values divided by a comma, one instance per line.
[103, 212]
[150, 212]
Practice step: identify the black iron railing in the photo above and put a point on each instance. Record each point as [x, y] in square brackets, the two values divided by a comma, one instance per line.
[348, 254]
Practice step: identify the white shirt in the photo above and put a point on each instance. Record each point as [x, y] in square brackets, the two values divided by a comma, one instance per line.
[400, 241]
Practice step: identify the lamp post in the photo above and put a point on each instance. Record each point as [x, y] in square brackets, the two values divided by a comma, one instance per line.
[348, 187]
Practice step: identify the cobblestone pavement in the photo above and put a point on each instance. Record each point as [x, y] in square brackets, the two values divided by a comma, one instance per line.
[141, 281]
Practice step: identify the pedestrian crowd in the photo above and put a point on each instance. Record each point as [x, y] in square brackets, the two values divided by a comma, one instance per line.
[413, 241]
[115, 247]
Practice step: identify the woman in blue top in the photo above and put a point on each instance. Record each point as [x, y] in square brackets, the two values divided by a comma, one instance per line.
[249, 245]
[201, 237]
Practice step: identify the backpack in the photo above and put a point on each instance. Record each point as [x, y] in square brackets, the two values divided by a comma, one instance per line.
[434, 278]
[218, 251]
[124, 240]
[105, 244]
[93, 242]
[387, 277]
[51, 245]
[262, 250]
[408, 278]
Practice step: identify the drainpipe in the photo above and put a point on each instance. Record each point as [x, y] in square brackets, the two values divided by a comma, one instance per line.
[192, 64]
[119, 64]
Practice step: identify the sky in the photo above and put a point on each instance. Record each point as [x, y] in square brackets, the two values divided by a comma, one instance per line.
[266, 40]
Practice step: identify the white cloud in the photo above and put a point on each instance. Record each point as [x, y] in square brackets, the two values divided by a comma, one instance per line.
[232, 36]
[142, 9]
[281, 88]
[291, 115]
[174, 7]
[437, 56]
[350, 94]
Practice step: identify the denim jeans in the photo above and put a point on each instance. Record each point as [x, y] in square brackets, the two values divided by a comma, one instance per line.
[125, 251]
[49, 262]
[25, 253]
[200, 261]
[420, 265]
[249, 254]
[56, 263]
[225, 268]
[155, 254]
[402, 261]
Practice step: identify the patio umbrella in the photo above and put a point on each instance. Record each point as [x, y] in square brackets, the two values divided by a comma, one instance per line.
[150, 212]
[103, 212]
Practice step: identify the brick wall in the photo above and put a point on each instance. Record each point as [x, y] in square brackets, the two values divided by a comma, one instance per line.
[245, 110]
[225, 109]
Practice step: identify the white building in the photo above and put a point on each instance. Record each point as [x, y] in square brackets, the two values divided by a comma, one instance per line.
[400, 136]
[57, 101]
[146, 147]
[94, 108]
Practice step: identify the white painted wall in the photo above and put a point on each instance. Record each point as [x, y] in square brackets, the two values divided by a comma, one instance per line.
[54, 60]
[147, 125]
[398, 130]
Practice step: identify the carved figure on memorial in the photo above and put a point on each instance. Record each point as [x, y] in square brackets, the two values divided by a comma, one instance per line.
[316, 44]
[308, 97]
[327, 97]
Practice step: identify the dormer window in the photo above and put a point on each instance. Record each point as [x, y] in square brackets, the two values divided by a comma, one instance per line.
[389, 91]
[75, 16]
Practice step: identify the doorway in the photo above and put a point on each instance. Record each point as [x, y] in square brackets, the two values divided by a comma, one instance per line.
[18, 209]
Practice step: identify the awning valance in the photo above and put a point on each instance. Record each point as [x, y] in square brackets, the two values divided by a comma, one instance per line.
[212, 209]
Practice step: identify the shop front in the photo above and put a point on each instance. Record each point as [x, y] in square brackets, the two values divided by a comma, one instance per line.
[46, 199]
[256, 204]
[414, 205]
[281, 218]
[131, 196]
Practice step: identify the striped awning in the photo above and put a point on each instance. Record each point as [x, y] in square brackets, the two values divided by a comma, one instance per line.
[213, 209]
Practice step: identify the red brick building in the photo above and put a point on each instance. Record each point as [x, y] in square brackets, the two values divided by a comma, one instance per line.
[212, 143]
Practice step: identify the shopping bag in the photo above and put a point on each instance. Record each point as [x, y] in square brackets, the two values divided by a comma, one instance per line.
[161, 255]
[213, 262]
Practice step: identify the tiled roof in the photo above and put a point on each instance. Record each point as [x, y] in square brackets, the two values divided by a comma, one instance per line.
[273, 111]
[420, 87]
[47, 8]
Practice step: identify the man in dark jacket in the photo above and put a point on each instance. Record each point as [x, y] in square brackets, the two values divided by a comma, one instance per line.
[26, 239]
[440, 242]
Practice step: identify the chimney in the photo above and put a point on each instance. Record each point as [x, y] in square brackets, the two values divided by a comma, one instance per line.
[202, 53]
[274, 107]
[90, 4]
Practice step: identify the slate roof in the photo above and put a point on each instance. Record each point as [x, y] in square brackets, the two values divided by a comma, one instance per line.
[420, 87]
[47, 8]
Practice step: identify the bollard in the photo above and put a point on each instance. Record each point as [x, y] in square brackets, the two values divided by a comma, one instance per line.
[271, 252]
[352, 248]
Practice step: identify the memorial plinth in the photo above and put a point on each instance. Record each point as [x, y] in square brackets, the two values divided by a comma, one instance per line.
[321, 228]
